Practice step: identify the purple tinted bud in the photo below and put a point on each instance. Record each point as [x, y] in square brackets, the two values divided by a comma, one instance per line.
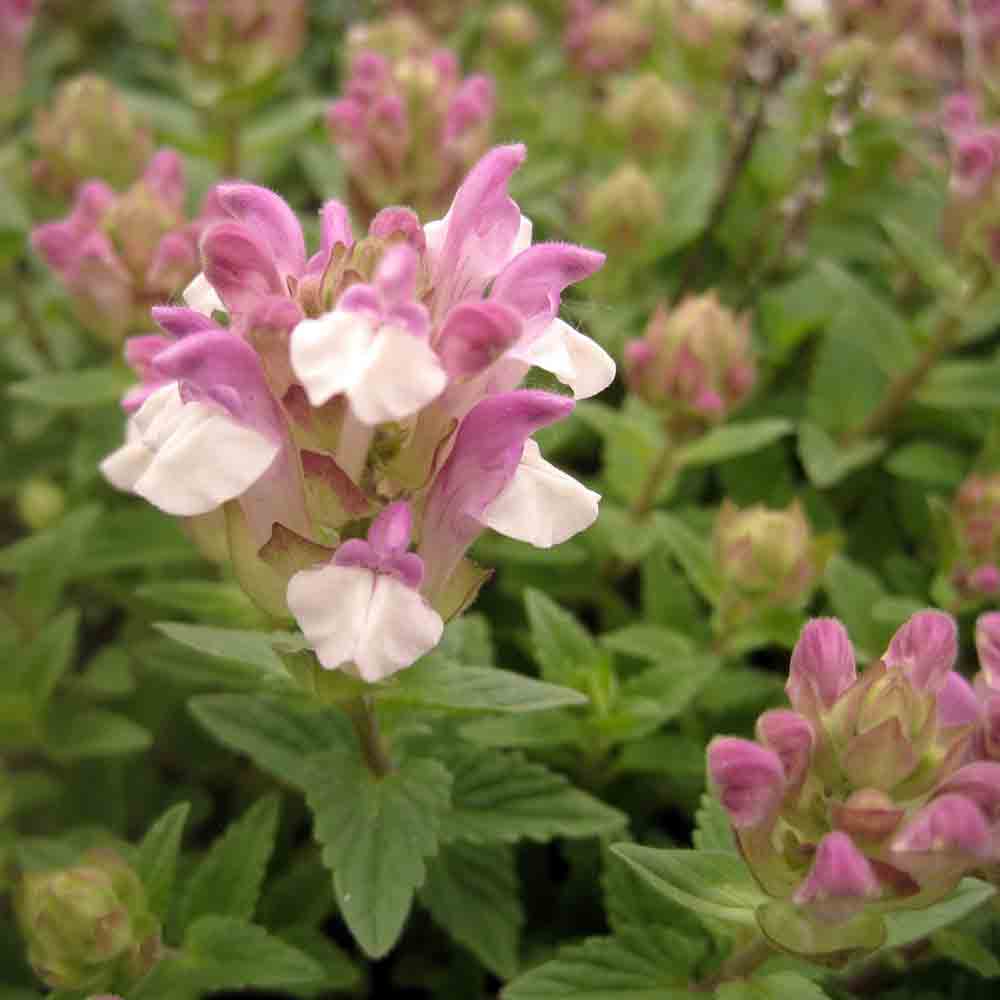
[925, 649]
[867, 813]
[390, 531]
[957, 704]
[791, 737]
[960, 112]
[750, 780]
[822, 666]
[988, 646]
[950, 824]
[984, 579]
[980, 783]
[840, 874]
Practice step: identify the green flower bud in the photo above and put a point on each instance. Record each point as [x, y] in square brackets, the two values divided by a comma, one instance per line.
[40, 502]
[624, 209]
[647, 112]
[513, 27]
[87, 926]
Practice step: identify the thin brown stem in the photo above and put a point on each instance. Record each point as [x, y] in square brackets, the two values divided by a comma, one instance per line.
[739, 965]
[902, 388]
[373, 747]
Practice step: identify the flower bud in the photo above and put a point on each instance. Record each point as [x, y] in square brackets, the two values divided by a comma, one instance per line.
[749, 778]
[868, 814]
[513, 27]
[976, 524]
[840, 881]
[957, 704]
[234, 43]
[980, 783]
[822, 666]
[950, 832]
[394, 37]
[765, 557]
[15, 26]
[624, 209]
[988, 647]
[648, 113]
[791, 737]
[40, 502]
[88, 133]
[925, 649]
[695, 360]
[88, 925]
[605, 37]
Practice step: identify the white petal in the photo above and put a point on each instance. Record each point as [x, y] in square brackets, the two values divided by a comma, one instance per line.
[574, 359]
[523, 239]
[353, 616]
[434, 234]
[202, 297]
[541, 505]
[187, 458]
[330, 354]
[403, 375]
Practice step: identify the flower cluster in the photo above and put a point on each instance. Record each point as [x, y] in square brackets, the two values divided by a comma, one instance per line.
[975, 516]
[88, 133]
[359, 400]
[409, 127]
[235, 43]
[864, 797]
[606, 37]
[16, 17]
[118, 254]
[694, 362]
[648, 113]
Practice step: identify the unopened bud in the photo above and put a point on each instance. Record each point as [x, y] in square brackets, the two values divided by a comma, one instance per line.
[840, 882]
[648, 112]
[513, 27]
[791, 737]
[822, 666]
[988, 646]
[605, 37]
[868, 814]
[624, 209]
[925, 649]
[951, 830]
[750, 780]
[40, 502]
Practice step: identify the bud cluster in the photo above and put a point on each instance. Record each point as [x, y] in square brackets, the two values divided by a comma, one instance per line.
[409, 127]
[89, 133]
[624, 210]
[975, 517]
[863, 797]
[648, 113]
[359, 400]
[694, 362]
[606, 37]
[231, 44]
[16, 17]
[118, 254]
[88, 927]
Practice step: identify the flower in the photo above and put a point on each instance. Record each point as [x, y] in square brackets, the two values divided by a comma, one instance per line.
[356, 398]
[975, 521]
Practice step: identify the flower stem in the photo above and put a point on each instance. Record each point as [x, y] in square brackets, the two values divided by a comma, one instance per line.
[373, 747]
[232, 144]
[645, 499]
[902, 388]
[26, 314]
[739, 965]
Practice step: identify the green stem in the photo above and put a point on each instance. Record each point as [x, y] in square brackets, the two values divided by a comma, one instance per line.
[373, 747]
[26, 314]
[739, 965]
[645, 499]
[232, 151]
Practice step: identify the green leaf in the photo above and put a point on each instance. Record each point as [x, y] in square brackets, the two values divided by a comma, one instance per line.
[251, 647]
[967, 951]
[73, 733]
[540, 729]
[79, 389]
[692, 190]
[636, 965]
[504, 798]
[37, 670]
[713, 831]
[473, 892]
[827, 463]
[155, 858]
[277, 733]
[694, 555]
[853, 592]
[655, 643]
[907, 926]
[926, 462]
[789, 928]
[774, 986]
[139, 538]
[203, 599]
[339, 972]
[562, 647]
[731, 440]
[376, 834]
[714, 883]
[228, 880]
[962, 385]
[435, 683]
[189, 669]
[228, 954]
[927, 258]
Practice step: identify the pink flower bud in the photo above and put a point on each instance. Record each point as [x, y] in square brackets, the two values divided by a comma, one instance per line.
[791, 737]
[868, 814]
[957, 704]
[988, 646]
[925, 649]
[960, 112]
[950, 825]
[984, 579]
[840, 882]
[980, 783]
[822, 666]
[750, 780]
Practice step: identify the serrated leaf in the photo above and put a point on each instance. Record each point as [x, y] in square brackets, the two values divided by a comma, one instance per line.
[376, 834]
[78, 389]
[694, 555]
[561, 646]
[437, 684]
[827, 463]
[853, 592]
[660, 694]
[907, 926]
[37, 670]
[731, 440]
[713, 831]
[155, 859]
[73, 733]
[246, 645]
[278, 734]
[715, 883]
[228, 880]
[339, 972]
[632, 966]
[655, 643]
[473, 892]
[774, 986]
[504, 798]
[225, 953]
[540, 729]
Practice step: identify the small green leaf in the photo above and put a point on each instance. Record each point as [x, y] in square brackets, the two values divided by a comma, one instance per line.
[731, 440]
[225, 953]
[713, 831]
[80, 389]
[967, 951]
[155, 858]
[714, 883]
[504, 798]
[251, 647]
[826, 463]
[853, 592]
[694, 555]
[228, 880]
[773, 986]
[787, 927]
[562, 647]
[925, 462]
[73, 733]
[277, 733]
[654, 643]
[962, 385]
[928, 259]
[540, 729]
[38, 669]
[376, 834]
[473, 892]
[907, 926]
